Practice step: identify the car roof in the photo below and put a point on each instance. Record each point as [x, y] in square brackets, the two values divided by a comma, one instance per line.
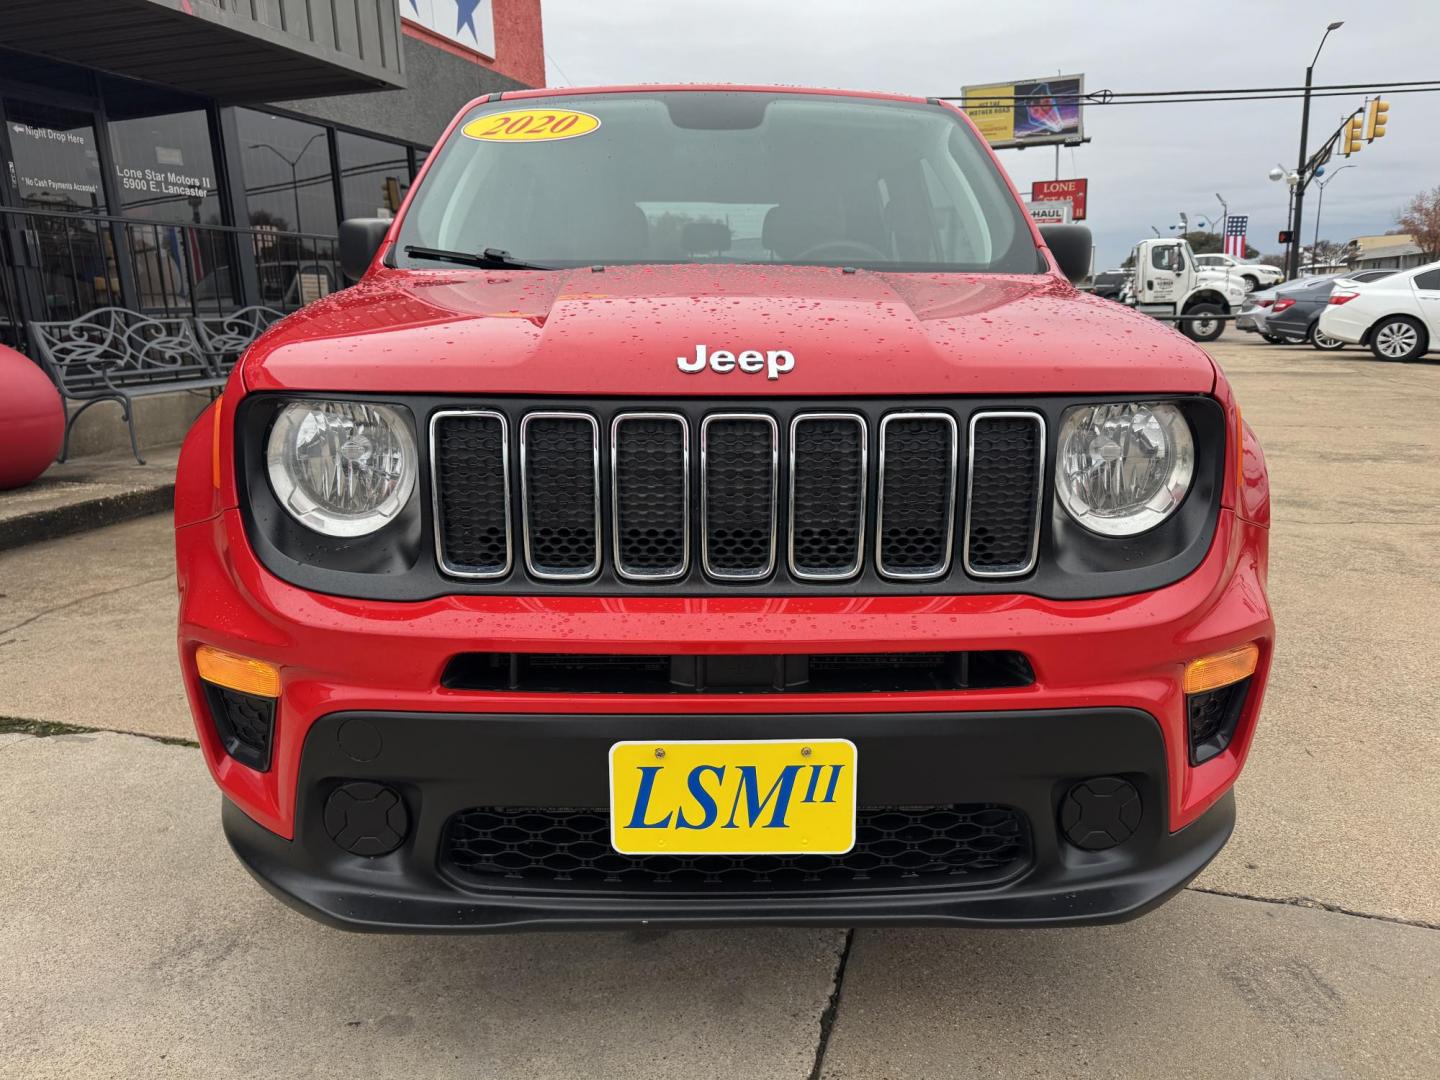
[665, 88]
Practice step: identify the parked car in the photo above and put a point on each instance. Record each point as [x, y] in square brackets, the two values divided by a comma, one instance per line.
[1295, 312]
[564, 571]
[1397, 316]
[1253, 315]
[1254, 274]
[1110, 283]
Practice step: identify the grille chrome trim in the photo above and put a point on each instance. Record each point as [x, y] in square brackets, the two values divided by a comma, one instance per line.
[445, 567]
[764, 418]
[1006, 414]
[615, 531]
[952, 473]
[594, 567]
[855, 567]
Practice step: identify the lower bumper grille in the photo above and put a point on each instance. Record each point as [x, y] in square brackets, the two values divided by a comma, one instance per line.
[972, 844]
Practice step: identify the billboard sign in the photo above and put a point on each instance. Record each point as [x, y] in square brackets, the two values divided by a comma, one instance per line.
[468, 23]
[1035, 112]
[1072, 190]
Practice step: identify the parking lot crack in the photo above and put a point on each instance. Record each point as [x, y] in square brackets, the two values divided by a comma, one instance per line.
[81, 600]
[832, 1008]
[1319, 905]
[44, 729]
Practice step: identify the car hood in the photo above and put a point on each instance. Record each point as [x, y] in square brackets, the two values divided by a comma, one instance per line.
[621, 331]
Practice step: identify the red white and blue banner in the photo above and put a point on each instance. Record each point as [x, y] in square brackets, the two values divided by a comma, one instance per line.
[468, 23]
[1236, 226]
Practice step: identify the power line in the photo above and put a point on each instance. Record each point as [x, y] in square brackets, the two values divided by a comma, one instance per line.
[556, 65]
[1252, 97]
[1178, 97]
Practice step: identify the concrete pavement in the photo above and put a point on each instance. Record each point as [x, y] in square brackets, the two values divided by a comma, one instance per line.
[127, 932]
[135, 946]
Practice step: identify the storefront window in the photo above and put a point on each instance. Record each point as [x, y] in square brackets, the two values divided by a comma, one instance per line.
[289, 182]
[54, 164]
[166, 168]
[374, 175]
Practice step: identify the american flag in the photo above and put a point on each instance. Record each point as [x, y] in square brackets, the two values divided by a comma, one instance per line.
[1235, 228]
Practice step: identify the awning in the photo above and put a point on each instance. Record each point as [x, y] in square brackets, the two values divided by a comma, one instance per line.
[233, 50]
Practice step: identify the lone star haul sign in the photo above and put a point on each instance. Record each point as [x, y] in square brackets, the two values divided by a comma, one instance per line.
[1071, 191]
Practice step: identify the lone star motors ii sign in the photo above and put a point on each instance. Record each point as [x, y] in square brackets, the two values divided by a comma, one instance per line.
[469, 23]
[1071, 191]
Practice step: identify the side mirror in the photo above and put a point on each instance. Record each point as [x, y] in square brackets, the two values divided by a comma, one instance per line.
[360, 238]
[1072, 247]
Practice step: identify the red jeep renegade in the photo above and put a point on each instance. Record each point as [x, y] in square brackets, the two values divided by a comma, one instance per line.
[715, 505]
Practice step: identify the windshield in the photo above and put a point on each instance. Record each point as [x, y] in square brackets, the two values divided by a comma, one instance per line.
[719, 177]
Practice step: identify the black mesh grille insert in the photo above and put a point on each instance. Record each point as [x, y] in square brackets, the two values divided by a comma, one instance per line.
[917, 487]
[559, 454]
[1213, 717]
[650, 505]
[739, 482]
[470, 478]
[1004, 494]
[828, 495]
[973, 843]
[244, 724]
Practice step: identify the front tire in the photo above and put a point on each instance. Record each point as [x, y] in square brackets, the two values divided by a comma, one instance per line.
[1323, 341]
[1274, 339]
[1398, 338]
[1251, 283]
[1201, 328]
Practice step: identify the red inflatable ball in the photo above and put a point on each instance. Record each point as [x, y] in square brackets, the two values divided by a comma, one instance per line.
[32, 420]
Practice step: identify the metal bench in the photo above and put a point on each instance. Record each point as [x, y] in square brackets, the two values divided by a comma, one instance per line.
[113, 354]
[224, 337]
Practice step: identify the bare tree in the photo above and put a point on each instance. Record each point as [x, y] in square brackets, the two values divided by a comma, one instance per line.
[1421, 219]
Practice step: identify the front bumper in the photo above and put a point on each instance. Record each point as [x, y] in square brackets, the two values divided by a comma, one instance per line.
[1106, 701]
[444, 764]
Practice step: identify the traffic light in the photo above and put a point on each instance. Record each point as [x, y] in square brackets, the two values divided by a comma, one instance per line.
[1375, 123]
[1352, 140]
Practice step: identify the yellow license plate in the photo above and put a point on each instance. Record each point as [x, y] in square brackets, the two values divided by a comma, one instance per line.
[761, 797]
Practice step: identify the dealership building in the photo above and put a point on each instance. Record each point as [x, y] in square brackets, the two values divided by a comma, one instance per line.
[195, 157]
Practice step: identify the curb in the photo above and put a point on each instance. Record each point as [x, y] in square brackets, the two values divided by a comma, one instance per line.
[55, 522]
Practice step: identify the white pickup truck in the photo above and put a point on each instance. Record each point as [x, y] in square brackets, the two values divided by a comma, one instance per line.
[1169, 284]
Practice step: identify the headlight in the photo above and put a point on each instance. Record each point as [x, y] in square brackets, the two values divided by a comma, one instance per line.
[1124, 468]
[342, 468]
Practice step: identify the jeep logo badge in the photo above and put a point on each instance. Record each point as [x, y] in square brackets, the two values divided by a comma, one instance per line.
[775, 362]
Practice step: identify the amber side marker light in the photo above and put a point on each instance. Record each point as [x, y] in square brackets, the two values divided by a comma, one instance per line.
[1221, 669]
[237, 672]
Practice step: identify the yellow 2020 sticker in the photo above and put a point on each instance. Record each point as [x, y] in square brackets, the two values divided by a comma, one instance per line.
[531, 125]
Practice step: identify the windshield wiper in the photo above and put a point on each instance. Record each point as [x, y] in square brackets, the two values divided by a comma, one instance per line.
[490, 258]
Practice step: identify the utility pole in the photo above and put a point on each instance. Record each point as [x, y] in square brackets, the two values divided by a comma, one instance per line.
[1292, 268]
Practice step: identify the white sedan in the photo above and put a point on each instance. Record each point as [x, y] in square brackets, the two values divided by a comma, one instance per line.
[1255, 275]
[1397, 316]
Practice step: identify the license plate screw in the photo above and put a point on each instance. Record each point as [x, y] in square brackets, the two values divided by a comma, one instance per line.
[659, 751]
[805, 751]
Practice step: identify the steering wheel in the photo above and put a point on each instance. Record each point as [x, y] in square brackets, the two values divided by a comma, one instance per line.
[859, 247]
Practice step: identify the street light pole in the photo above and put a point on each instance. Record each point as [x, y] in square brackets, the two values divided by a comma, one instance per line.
[1293, 262]
[294, 165]
[1320, 205]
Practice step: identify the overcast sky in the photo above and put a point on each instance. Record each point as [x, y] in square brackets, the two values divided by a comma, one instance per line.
[1146, 161]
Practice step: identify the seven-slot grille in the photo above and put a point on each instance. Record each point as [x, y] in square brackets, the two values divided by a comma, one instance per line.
[752, 478]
